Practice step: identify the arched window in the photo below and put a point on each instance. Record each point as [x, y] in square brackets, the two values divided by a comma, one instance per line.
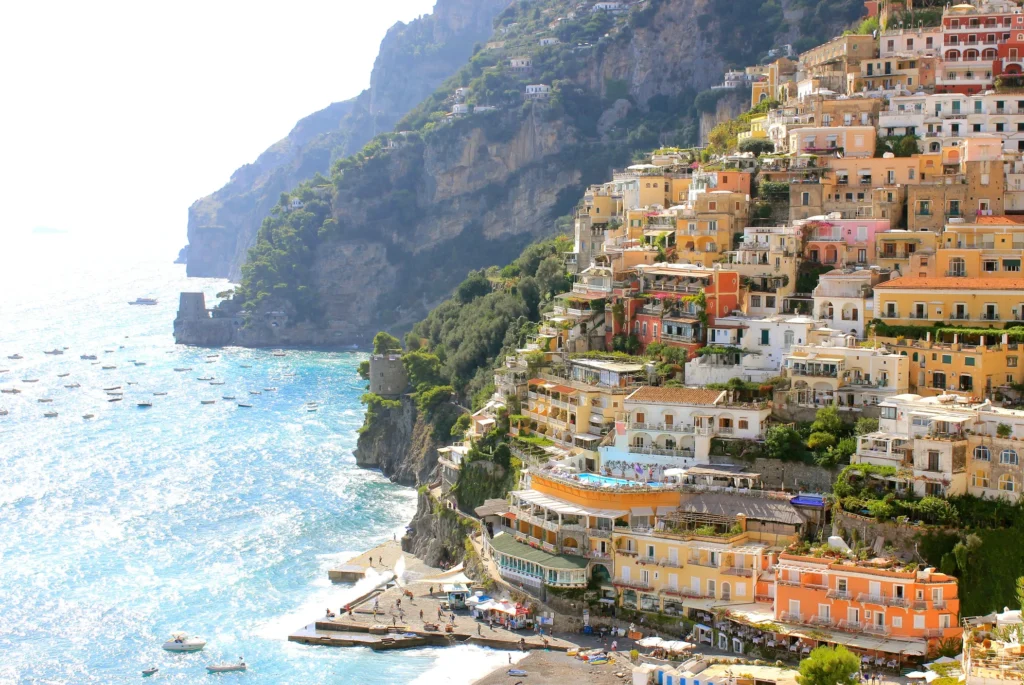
[1008, 456]
[979, 479]
[1007, 483]
[787, 338]
[982, 453]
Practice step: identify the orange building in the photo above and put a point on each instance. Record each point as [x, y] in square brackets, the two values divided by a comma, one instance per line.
[912, 609]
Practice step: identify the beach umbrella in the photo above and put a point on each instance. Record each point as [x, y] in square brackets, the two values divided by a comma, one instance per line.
[652, 641]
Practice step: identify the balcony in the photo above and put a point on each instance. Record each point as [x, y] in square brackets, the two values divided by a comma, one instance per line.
[956, 273]
[696, 561]
[939, 604]
[735, 571]
[821, 621]
[854, 626]
[875, 629]
[989, 316]
[599, 533]
[838, 594]
[933, 632]
[687, 339]
[660, 451]
[790, 617]
[868, 598]
[666, 427]
[919, 605]
[632, 584]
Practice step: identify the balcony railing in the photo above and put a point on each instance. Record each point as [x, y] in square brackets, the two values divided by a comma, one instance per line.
[838, 594]
[939, 604]
[660, 451]
[734, 571]
[599, 533]
[870, 598]
[933, 632]
[696, 561]
[875, 629]
[790, 617]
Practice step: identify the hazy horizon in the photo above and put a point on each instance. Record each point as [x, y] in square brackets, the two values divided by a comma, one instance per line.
[121, 115]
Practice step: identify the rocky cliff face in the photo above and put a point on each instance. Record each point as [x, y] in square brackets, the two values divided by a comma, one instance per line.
[400, 445]
[414, 59]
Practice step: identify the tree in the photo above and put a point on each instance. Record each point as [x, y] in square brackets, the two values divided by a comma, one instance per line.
[530, 292]
[819, 441]
[423, 369]
[827, 421]
[759, 146]
[829, 666]
[1020, 592]
[412, 341]
[783, 442]
[385, 342]
[476, 285]
[865, 425]
[550, 275]
[364, 370]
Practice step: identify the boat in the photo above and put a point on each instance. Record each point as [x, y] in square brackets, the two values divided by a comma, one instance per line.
[159, 394]
[144, 405]
[29, 380]
[113, 387]
[255, 392]
[311, 407]
[149, 671]
[205, 378]
[10, 391]
[227, 668]
[108, 351]
[54, 351]
[115, 393]
[50, 414]
[183, 368]
[5, 370]
[44, 400]
[216, 382]
[212, 356]
[139, 363]
[288, 375]
[133, 382]
[207, 401]
[115, 399]
[279, 353]
[63, 375]
[269, 389]
[516, 672]
[3, 412]
[15, 356]
[108, 368]
[246, 366]
[181, 642]
[244, 405]
[88, 357]
[73, 385]
[228, 397]
[88, 416]
[148, 301]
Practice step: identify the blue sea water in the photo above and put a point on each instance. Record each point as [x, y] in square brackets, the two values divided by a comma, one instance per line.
[213, 519]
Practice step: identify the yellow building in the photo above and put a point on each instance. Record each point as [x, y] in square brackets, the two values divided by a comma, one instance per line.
[704, 231]
[962, 364]
[984, 302]
[714, 549]
[894, 248]
[838, 371]
[758, 129]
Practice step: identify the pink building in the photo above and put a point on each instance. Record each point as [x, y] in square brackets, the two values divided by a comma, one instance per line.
[841, 242]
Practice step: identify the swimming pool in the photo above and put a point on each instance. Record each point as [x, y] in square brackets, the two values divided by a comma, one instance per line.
[608, 481]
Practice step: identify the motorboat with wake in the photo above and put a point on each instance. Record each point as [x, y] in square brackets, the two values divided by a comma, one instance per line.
[63, 375]
[88, 357]
[149, 671]
[181, 642]
[14, 356]
[54, 351]
[148, 301]
[50, 414]
[10, 391]
[227, 668]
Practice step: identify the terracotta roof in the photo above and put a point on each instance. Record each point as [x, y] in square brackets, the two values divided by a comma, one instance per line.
[658, 395]
[953, 283]
[998, 220]
[563, 389]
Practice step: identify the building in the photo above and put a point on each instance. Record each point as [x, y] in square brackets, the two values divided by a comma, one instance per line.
[387, 375]
[852, 141]
[830, 64]
[674, 426]
[838, 371]
[529, 567]
[520, 64]
[971, 38]
[538, 91]
[844, 300]
[978, 301]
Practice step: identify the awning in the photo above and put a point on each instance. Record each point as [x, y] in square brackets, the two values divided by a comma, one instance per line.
[642, 511]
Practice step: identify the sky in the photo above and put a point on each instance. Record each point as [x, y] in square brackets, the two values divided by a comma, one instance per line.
[116, 115]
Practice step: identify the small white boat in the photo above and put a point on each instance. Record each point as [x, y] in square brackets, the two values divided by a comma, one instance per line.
[114, 393]
[5, 370]
[108, 351]
[311, 407]
[243, 405]
[207, 401]
[227, 668]
[216, 382]
[88, 416]
[108, 368]
[73, 385]
[149, 301]
[255, 392]
[159, 394]
[246, 366]
[139, 363]
[3, 412]
[113, 387]
[63, 375]
[133, 382]
[54, 351]
[29, 380]
[50, 414]
[183, 368]
[181, 642]
[10, 391]
[15, 356]
[115, 399]
[44, 400]
[149, 671]
[205, 378]
[88, 357]
[279, 353]
[269, 389]
[144, 405]
[212, 356]
[228, 397]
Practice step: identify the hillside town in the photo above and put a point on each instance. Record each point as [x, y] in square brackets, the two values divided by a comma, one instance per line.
[850, 256]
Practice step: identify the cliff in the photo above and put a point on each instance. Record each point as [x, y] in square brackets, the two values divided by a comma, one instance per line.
[414, 59]
[407, 217]
[399, 443]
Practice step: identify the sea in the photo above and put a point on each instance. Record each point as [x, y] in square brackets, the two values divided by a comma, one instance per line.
[213, 519]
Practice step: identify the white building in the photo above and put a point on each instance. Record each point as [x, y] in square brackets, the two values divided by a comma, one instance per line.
[674, 426]
[538, 91]
[520, 64]
[924, 42]
[460, 109]
[947, 445]
[844, 300]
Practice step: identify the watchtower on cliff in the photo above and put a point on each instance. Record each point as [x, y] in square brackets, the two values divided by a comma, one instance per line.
[387, 375]
[192, 306]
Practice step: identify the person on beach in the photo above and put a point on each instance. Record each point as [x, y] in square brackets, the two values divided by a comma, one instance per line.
[478, 630]
[421, 614]
[615, 645]
[431, 590]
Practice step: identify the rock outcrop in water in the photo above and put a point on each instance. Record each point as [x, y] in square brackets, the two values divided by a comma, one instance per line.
[414, 59]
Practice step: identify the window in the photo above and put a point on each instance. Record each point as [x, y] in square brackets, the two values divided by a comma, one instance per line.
[943, 621]
[744, 424]
[805, 199]
[787, 338]
[650, 551]
[982, 453]
[1008, 456]
[755, 300]
[769, 301]
[897, 622]
[765, 337]
[712, 206]
[979, 479]
[1007, 483]
[841, 584]
[887, 413]
[1011, 362]
[969, 361]
[947, 359]
[919, 622]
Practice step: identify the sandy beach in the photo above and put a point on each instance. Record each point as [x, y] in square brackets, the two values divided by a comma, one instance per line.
[555, 668]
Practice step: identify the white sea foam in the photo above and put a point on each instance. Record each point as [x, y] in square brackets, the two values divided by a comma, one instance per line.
[465, 664]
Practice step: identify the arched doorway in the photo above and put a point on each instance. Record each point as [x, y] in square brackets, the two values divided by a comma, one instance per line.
[600, 573]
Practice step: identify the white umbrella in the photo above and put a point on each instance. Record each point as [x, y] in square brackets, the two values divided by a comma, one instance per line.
[917, 675]
[678, 646]
[652, 641]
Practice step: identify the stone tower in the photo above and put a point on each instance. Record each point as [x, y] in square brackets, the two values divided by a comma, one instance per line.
[387, 375]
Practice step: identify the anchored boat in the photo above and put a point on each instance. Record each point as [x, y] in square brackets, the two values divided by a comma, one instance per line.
[227, 668]
[181, 642]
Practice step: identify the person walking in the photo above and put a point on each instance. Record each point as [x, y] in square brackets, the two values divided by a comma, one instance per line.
[421, 614]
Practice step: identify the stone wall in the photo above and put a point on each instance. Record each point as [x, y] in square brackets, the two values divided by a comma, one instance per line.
[902, 536]
[787, 474]
[786, 409]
